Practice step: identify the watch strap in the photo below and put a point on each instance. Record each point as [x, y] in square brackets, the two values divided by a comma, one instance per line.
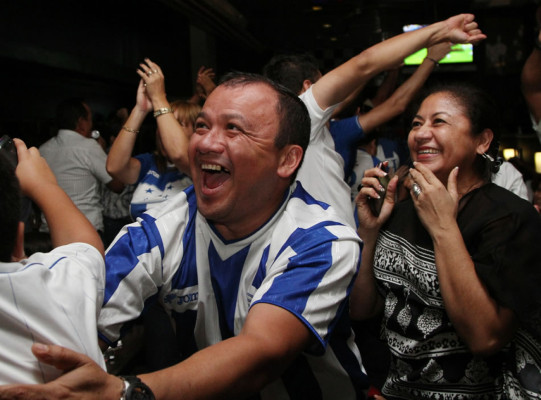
[135, 389]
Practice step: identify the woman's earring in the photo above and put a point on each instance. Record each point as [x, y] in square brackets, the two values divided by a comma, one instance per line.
[488, 157]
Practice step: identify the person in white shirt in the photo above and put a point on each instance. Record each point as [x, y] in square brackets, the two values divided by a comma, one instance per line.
[78, 161]
[50, 297]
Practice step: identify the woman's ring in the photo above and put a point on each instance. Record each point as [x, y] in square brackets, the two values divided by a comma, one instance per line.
[416, 190]
[149, 73]
[155, 71]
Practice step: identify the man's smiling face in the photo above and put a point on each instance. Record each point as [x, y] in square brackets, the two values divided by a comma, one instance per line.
[234, 160]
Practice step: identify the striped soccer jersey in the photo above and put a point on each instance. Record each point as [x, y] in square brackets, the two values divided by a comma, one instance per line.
[304, 259]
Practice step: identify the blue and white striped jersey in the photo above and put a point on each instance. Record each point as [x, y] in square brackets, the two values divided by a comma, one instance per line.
[304, 259]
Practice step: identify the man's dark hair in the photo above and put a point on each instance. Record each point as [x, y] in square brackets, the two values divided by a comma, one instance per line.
[69, 111]
[291, 70]
[10, 208]
[294, 120]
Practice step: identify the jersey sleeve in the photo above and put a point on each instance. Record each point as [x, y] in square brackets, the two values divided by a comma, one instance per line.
[141, 259]
[318, 116]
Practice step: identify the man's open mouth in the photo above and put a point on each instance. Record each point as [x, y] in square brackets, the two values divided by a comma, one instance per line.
[214, 175]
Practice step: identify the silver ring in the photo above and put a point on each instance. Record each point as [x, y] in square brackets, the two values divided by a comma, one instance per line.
[155, 71]
[416, 189]
[144, 84]
[149, 73]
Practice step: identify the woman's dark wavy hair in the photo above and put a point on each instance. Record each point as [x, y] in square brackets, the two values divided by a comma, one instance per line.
[482, 112]
[294, 120]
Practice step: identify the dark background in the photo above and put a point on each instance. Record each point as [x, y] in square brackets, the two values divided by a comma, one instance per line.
[60, 48]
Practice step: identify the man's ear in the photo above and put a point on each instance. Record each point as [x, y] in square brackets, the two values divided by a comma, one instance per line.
[305, 85]
[18, 250]
[290, 159]
[484, 141]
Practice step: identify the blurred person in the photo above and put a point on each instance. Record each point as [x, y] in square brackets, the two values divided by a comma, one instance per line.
[78, 161]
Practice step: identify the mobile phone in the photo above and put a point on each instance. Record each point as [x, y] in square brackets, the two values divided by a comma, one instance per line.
[375, 203]
[8, 148]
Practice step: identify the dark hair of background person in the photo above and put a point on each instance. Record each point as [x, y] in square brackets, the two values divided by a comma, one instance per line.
[482, 112]
[291, 70]
[69, 111]
[294, 120]
[10, 206]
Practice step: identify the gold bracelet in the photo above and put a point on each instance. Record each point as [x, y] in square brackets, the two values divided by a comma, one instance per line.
[130, 129]
[161, 111]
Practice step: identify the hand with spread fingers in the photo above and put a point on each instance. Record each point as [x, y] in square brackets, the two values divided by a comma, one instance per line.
[205, 80]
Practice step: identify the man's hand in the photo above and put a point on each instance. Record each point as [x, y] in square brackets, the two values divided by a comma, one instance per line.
[82, 379]
[32, 169]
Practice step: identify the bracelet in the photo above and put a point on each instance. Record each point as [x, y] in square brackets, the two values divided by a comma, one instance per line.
[161, 111]
[436, 63]
[129, 129]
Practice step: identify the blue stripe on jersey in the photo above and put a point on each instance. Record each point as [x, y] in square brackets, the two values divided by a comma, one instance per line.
[225, 277]
[186, 275]
[300, 193]
[122, 258]
[261, 270]
[137, 209]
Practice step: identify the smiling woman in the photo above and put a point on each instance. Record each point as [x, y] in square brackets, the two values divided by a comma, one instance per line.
[455, 261]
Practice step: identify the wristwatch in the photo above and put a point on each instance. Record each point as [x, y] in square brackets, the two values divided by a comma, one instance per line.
[135, 389]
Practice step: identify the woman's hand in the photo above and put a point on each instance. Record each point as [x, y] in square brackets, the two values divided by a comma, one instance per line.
[153, 82]
[369, 224]
[436, 205]
[142, 100]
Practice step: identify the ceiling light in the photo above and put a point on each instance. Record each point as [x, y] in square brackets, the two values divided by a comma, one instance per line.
[317, 8]
[327, 26]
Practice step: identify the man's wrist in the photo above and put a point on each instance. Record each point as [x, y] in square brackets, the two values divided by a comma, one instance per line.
[135, 389]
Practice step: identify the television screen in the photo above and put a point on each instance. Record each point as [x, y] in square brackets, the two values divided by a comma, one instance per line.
[459, 54]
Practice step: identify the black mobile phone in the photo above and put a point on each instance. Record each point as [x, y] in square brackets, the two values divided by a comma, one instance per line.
[8, 148]
[374, 203]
